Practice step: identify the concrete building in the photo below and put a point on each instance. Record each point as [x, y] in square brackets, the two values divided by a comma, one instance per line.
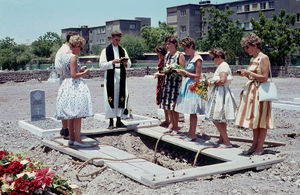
[99, 35]
[187, 19]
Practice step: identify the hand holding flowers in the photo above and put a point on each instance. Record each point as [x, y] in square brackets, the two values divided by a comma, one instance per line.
[200, 87]
[173, 68]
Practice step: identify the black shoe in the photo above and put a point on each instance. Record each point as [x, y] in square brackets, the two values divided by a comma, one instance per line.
[110, 127]
[120, 125]
[64, 133]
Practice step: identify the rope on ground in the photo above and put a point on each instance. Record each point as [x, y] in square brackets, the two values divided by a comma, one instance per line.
[199, 151]
[102, 168]
[155, 149]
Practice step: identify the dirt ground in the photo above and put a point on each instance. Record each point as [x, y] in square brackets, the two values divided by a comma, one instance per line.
[282, 178]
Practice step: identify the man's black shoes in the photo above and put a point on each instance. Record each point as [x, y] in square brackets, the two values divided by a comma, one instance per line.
[120, 125]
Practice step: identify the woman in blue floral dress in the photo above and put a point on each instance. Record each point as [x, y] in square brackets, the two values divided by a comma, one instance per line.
[189, 102]
[74, 100]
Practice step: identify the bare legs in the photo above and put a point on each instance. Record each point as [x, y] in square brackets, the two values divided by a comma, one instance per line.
[193, 123]
[259, 136]
[75, 128]
[173, 120]
[222, 128]
[64, 124]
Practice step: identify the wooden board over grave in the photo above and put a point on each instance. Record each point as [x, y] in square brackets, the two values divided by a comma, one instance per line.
[153, 175]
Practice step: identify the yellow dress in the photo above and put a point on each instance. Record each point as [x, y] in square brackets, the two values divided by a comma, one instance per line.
[252, 113]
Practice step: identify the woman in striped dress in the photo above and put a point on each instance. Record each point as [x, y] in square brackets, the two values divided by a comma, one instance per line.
[252, 113]
[171, 84]
[221, 104]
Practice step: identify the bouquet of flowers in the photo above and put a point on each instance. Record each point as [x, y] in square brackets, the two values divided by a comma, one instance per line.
[200, 87]
[19, 175]
[172, 68]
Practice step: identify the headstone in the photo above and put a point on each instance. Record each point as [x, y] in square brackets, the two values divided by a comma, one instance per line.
[37, 105]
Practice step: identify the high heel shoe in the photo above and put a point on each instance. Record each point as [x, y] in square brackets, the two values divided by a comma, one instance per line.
[82, 145]
[258, 153]
[248, 152]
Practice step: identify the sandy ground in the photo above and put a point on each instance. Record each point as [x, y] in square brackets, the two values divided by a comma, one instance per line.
[282, 178]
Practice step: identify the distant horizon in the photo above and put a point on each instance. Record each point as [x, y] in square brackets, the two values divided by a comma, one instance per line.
[26, 20]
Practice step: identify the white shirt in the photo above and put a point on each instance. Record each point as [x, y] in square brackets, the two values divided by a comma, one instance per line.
[64, 49]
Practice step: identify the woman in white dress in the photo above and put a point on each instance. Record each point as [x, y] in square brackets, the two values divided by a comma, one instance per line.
[74, 100]
[221, 104]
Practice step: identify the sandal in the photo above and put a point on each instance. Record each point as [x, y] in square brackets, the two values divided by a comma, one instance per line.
[164, 124]
[168, 132]
[258, 153]
[188, 139]
[225, 146]
[248, 152]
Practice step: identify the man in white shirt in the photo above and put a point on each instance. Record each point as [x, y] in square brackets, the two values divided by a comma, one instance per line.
[64, 49]
[114, 59]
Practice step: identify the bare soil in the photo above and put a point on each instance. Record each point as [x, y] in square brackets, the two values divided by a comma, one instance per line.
[282, 178]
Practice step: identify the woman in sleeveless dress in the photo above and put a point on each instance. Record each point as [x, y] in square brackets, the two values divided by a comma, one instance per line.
[171, 84]
[74, 100]
[189, 102]
[252, 113]
[221, 106]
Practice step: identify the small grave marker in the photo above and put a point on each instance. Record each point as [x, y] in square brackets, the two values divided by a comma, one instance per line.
[37, 105]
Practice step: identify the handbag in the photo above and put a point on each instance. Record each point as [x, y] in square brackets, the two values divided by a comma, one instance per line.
[267, 91]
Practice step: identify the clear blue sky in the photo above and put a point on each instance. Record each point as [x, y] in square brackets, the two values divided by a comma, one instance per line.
[26, 20]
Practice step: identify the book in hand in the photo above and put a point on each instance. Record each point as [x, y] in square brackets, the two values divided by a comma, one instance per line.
[122, 59]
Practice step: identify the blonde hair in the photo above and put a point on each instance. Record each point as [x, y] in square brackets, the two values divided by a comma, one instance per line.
[217, 52]
[251, 39]
[77, 41]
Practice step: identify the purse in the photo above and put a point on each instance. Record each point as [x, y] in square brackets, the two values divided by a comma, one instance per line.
[267, 91]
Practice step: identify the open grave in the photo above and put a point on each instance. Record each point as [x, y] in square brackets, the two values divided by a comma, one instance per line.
[140, 169]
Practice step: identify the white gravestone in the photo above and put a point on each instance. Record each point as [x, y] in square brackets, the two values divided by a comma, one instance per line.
[37, 105]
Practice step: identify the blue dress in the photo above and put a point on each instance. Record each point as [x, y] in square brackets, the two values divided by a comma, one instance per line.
[73, 98]
[189, 102]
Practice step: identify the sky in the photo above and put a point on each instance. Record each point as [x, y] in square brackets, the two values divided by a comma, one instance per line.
[26, 20]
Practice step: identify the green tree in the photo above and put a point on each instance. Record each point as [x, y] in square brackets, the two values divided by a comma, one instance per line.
[222, 32]
[154, 36]
[13, 56]
[96, 49]
[279, 40]
[134, 46]
[42, 46]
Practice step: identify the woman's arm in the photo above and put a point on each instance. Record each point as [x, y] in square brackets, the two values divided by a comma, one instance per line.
[194, 76]
[222, 80]
[73, 68]
[265, 67]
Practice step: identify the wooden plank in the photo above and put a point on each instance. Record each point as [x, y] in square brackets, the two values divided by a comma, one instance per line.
[192, 173]
[100, 131]
[247, 140]
[80, 154]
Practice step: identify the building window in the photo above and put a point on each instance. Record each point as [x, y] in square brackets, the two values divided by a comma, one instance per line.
[198, 29]
[240, 25]
[132, 26]
[197, 12]
[102, 30]
[254, 6]
[239, 9]
[102, 41]
[271, 4]
[246, 8]
[263, 5]
[109, 27]
[183, 28]
[298, 18]
[247, 26]
[182, 12]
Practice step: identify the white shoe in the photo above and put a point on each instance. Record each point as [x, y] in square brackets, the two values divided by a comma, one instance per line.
[84, 145]
[70, 143]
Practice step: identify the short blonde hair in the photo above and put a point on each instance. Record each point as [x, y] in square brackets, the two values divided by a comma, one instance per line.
[217, 52]
[77, 41]
[251, 39]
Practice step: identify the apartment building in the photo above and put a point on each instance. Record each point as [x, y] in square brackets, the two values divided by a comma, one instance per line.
[100, 35]
[187, 19]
